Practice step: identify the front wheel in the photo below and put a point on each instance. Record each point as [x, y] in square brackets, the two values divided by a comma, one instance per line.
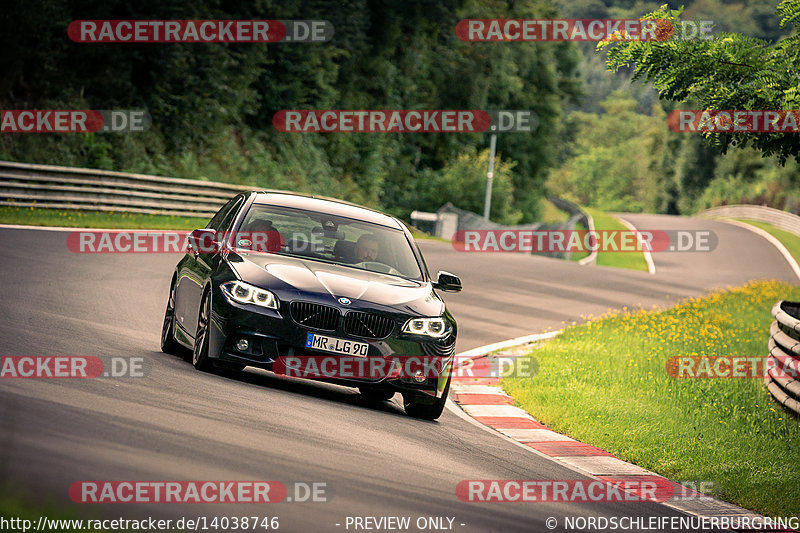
[426, 411]
[200, 358]
[168, 343]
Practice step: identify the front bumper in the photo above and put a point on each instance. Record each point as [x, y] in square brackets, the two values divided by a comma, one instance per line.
[273, 336]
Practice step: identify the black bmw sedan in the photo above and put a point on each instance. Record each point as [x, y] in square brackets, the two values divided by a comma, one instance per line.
[314, 288]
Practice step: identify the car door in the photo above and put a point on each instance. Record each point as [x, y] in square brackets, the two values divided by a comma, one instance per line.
[195, 270]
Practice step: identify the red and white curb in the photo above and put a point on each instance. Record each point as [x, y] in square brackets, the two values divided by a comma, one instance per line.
[482, 402]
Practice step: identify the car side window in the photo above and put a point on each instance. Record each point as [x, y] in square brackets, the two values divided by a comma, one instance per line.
[216, 221]
[226, 222]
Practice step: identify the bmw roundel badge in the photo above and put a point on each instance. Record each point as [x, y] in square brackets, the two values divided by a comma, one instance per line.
[344, 301]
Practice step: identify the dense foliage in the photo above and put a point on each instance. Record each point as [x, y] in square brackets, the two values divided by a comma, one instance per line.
[212, 104]
[728, 71]
[601, 140]
[618, 153]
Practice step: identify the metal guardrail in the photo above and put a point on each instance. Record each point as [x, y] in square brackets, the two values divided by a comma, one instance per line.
[780, 219]
[46, 186]
[783, 363]
[57, 187]
[576, 215]
[467, 220]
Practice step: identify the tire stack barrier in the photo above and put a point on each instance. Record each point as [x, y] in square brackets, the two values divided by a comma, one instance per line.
[783, 364]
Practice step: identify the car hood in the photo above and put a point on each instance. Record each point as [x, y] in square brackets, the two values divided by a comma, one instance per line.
[293, 278]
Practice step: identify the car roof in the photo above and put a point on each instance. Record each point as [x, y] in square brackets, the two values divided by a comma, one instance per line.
[330, 206]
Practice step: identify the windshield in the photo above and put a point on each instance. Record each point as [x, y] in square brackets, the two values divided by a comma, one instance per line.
[325, 237]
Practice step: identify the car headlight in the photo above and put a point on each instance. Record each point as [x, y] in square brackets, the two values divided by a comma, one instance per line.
[430, 327]
[244, 293]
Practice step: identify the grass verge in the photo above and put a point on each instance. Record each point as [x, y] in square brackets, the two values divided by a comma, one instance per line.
[577, 256]
[789, 240]
[20, 509]
[424, 235]
[629, 260]
[550, 214]
[30, 216]
[605, 383]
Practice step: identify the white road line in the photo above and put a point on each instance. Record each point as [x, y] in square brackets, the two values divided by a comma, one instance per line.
[496, 410]
[484, 350]
[648, 257]
[605, 466]
[535, 435]
[466, 388]
[66, 228]
[46, 228]
[775, 242]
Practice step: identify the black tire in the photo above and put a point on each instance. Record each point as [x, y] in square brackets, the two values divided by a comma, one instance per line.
[426, 411]
[168, 343]
[200, 358]
[375, 395]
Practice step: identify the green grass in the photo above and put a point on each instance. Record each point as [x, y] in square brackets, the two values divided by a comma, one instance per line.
[789, 240]
[550, 214]
[96, 219]
[577, 256]
[629, 260]
[14, 506]
[424, 235]
[605, 383]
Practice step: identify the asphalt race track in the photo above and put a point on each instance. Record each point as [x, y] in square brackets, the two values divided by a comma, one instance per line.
[181, 424]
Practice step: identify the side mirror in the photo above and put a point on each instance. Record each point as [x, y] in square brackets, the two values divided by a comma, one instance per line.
[445, 281]
[203, 241]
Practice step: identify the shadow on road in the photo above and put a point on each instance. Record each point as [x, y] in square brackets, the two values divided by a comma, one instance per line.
[316, 389]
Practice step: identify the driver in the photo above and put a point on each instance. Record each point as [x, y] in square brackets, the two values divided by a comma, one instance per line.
[265, 237]
[366, 248]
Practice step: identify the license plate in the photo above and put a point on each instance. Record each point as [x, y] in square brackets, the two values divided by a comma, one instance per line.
[332, 344]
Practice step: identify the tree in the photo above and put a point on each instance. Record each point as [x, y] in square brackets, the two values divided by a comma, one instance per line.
[616, 158]
[212, 104]
[728, 71]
